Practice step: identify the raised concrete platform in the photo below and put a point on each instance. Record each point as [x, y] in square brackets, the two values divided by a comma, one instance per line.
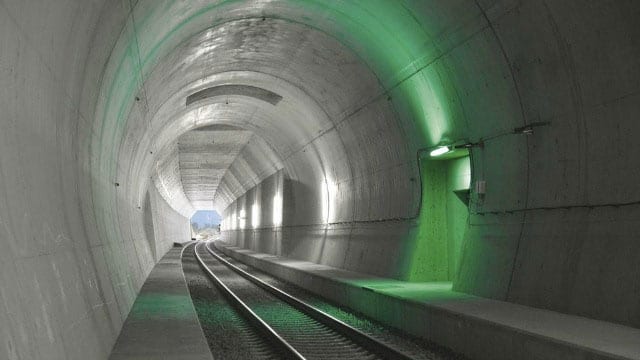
[163, 323]
[477, 327]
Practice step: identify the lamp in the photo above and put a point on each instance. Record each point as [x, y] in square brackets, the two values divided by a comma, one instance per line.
[439, 151]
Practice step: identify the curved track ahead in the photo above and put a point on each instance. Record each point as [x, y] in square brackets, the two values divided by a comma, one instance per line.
[295, 329]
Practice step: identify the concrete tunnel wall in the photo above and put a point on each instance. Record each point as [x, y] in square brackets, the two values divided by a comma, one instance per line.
[557, 228]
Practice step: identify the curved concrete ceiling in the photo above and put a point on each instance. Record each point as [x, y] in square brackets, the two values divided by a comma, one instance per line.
[313, 90]
[205, 155]
[336, 168]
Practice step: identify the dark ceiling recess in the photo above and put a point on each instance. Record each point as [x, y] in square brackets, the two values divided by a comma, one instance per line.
[244, 90]
[218, 127]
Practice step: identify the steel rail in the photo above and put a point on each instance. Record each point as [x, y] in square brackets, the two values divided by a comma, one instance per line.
[288, 351]
[361, 338]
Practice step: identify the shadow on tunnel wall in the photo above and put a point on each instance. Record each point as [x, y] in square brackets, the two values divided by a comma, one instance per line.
[148, 226]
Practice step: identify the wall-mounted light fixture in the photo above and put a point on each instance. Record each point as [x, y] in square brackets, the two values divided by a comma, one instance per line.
[439, 151]
[451, 151]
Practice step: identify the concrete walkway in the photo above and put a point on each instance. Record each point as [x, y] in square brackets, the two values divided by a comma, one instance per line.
[163, 323]
[478, 327]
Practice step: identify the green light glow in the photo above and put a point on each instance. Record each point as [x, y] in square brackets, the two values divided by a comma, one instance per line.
[218, 313]
[433, 247]
[162, 306]
[364, 295]
[423, 291]
[426, 250]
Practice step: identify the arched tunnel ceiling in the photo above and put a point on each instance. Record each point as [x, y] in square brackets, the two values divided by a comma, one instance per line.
[364, 85]
[94, 99]
[328, 61]
[205, 155]
[288, 84]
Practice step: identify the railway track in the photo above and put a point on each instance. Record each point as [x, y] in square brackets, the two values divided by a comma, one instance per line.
[295, 329]
[228, 333]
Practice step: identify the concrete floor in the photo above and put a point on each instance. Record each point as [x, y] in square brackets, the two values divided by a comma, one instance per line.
[163, 323]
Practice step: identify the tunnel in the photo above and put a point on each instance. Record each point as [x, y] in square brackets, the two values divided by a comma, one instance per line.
[464, 171]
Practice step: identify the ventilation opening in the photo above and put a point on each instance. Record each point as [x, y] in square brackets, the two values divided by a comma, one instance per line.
[243, 90]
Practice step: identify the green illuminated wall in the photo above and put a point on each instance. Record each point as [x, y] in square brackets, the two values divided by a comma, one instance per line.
[433, 250]
[458, 178]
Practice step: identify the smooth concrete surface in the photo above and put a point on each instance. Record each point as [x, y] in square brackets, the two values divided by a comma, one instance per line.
[163, 323]
[477, 327]
[93, 101]
[205, 155]
[67, 280]
[169, 226]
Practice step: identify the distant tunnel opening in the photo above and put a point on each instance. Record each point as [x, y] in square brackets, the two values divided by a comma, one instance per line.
[205, 224]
